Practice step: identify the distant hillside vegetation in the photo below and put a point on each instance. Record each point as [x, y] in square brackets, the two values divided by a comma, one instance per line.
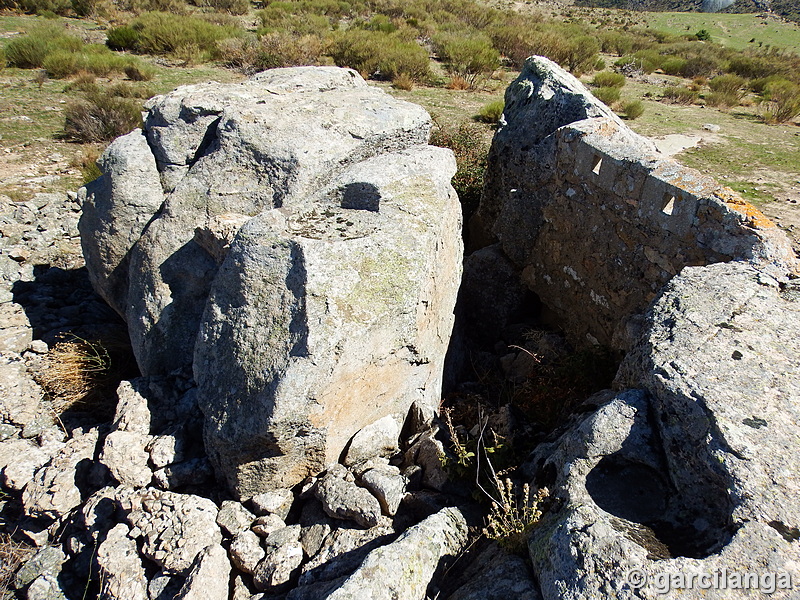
[739, 6]
[788, 9]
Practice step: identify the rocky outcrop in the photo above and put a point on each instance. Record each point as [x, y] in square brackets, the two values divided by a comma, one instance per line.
[692, 472]
[296, 240]
[594, 220]
[687, 468]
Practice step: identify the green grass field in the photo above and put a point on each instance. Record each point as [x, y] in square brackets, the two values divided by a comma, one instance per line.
[733, 31]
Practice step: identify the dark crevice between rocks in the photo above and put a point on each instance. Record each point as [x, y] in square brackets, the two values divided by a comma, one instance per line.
[790, 534]
[62, 306]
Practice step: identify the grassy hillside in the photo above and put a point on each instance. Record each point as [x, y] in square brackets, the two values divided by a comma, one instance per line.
[737, 31]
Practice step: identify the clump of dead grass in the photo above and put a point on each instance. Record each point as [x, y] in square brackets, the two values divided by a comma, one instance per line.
[73, 373]
[12, 556]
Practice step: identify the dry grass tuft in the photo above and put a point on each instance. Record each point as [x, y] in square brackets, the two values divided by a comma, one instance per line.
[73, 373]
[458, 83]
[12, 556]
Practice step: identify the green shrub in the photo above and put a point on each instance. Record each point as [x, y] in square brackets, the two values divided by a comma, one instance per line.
[472, 58]
[703, 35]
[723, 99]
[700, 66]
[28, 52]
[139, 71]
[673, 65]
[100, 117]
[280, 16]
[680, 95]
[174, 7]
[184, 37]
[233, 7]
[63, 63]
[633, 109]
[84, 8]
[759, 85]
[2, 58]
[753, 67]
[287, 50]
[607, 95]
[782, 102]
[381, 23]
[491, 112]
[645, 61]
[126, 90]
[608, 79]
[581, 54]
[466, 142]
[122, 38]
[381, 55]
[731, 84]
[46, 8]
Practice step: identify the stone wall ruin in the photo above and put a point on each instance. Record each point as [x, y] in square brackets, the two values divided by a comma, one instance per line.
[594, 219]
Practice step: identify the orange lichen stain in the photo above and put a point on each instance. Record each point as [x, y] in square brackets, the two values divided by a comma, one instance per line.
[755, 218]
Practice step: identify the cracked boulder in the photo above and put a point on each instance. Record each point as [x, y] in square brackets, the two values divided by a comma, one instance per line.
[294, 238]
[694, 471]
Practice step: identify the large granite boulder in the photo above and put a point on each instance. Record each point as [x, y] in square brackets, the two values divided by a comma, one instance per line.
[694, 473]
[594, 219]
[294, 238]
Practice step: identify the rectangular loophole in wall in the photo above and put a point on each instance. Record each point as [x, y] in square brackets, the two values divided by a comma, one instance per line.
[668, 204]
[597, 161]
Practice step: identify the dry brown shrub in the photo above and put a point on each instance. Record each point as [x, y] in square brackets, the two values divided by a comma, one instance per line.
[403, 82]
[458, 83]
[73, 373]
[12, 556]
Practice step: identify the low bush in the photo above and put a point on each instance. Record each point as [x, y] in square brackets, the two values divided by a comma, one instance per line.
[233, 7]
[174, 7]
[465, 140]
[380, 55]
[781, 102]
[680, 95]
[754, 67]
[703, 35]
[2, 58]
[633, 109]
[701, 65]
[673, 65]
[607, 95]
[100, 117]
[29, 51]
[491, 112]
[403, 82]
[731, 84]
[287, 50]
[62, 63]
[122, 38]
[608, 79]
[46, 7]
[84, 8]
[645, 61]
[457, 83]
[162, 33]
[723, 99]
[472, 58]
[139, 71]
[284, 17]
